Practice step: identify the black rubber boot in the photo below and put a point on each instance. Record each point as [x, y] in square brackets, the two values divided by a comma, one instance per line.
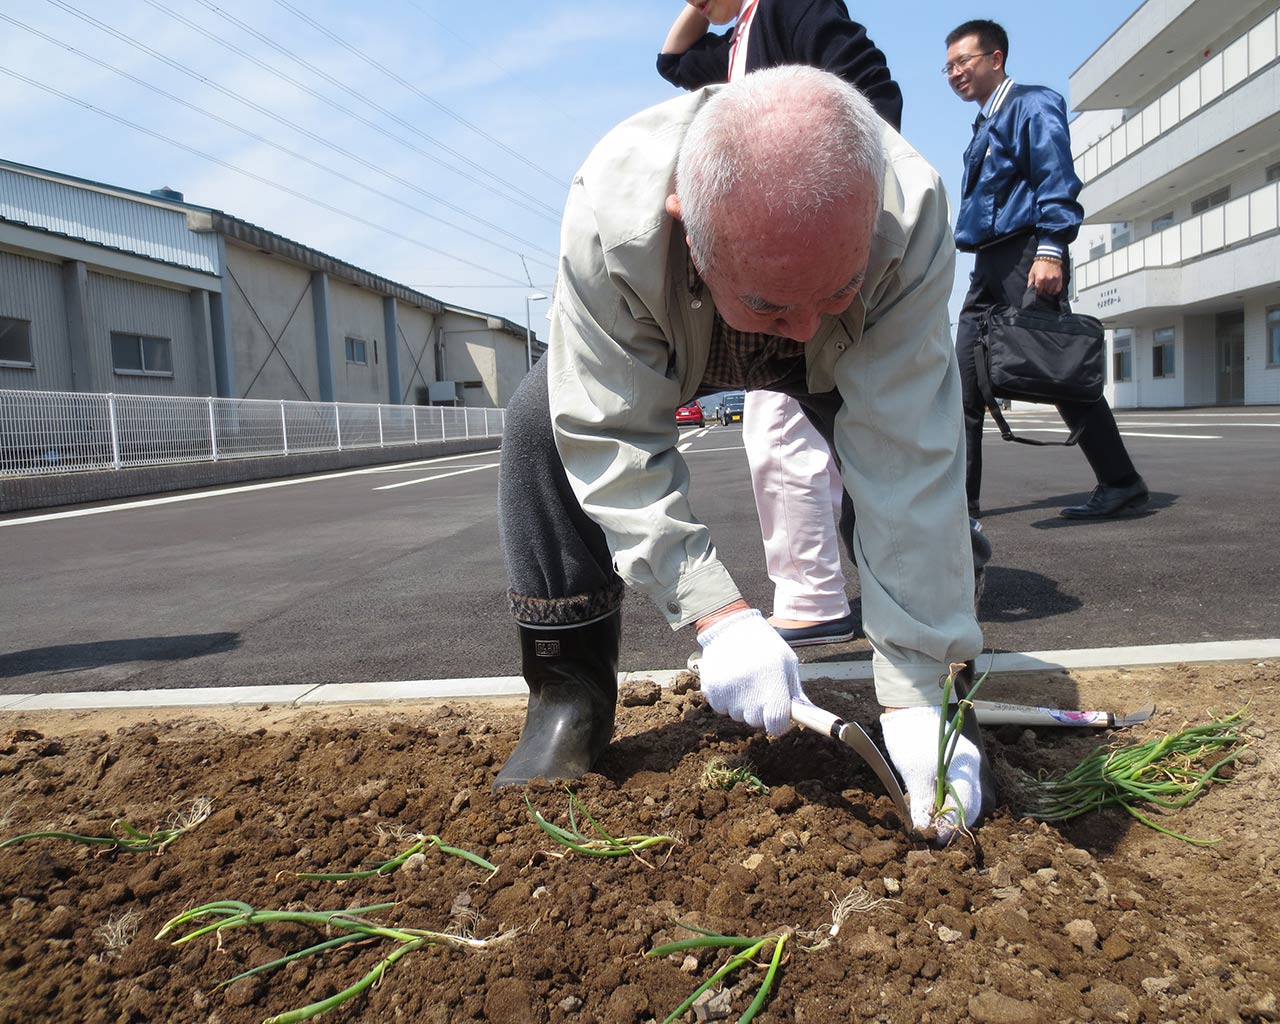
[573, 691]
[970, 729]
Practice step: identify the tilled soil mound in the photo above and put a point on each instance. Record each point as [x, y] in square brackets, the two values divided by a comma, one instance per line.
[1102, 919]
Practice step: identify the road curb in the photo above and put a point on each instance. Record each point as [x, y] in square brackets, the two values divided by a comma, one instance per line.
[507, 686]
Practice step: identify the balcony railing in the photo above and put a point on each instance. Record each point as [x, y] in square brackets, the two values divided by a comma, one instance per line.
[1249, 216]
[45, 432]
[1240, 60]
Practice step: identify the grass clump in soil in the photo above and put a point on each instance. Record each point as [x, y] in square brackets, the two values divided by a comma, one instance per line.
[722, 773]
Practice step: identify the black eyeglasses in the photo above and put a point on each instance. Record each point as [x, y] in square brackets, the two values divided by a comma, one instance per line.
[960, 63]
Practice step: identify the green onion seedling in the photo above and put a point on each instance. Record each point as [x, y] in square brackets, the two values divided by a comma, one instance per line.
[421, 842]
[128, 838]
[748, 949]
[602, 844]
[351, 924]
[949, 731]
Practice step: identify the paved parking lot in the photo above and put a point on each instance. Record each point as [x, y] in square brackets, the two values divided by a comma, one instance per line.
[395, 573]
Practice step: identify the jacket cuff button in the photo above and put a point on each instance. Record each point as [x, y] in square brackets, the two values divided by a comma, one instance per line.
[673, 607]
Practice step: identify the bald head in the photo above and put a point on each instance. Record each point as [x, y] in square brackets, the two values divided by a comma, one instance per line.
[773, 152]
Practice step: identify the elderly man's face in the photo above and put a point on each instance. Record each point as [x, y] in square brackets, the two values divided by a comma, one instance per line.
[774, 277]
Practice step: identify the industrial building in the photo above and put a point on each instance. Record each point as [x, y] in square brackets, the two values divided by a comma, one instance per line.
[1177, 141]
[108, 290]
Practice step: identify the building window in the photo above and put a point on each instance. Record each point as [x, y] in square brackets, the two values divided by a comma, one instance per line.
[15, 342]
[1122, 356]
[141, 355]
[1119, 235]
[1162, 362]
[357, 352]
[1213, 199]
[1165, 220]
[1273, 336]
[1273, 173]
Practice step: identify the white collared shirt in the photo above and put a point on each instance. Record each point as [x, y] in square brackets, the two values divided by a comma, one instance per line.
[741, 32]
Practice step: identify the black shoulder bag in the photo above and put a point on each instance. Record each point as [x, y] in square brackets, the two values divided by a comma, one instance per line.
[1038, 354]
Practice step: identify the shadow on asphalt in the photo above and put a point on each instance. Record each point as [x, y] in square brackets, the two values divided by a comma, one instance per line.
[70, 657]
[1159, 500]
[1017, 595]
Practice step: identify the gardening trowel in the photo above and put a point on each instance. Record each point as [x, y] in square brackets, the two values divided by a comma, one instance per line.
[852, 734]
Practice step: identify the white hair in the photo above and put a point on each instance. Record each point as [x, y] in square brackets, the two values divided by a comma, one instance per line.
[791, 138]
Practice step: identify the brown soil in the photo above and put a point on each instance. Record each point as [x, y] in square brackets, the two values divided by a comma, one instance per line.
[1102, 919]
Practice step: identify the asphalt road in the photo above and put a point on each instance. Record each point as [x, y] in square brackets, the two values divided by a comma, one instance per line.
[395, 572]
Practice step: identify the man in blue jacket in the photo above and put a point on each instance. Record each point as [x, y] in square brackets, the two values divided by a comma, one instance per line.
[1018, 213]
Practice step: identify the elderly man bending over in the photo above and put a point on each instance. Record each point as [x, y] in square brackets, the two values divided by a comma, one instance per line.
[772, 233]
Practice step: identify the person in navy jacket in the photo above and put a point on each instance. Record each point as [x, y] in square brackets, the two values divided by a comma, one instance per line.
[1018, 214]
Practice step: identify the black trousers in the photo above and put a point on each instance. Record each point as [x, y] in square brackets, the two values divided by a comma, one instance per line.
[1000, 277]
[557, 558]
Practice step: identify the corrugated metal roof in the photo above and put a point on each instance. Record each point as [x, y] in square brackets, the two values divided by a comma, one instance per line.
[154, 230]
[173, 232]
[269, 241]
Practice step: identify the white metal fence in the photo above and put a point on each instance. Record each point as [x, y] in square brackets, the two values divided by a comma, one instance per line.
[61, 431]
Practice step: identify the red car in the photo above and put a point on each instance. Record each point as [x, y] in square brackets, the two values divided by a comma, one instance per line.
[690, 414]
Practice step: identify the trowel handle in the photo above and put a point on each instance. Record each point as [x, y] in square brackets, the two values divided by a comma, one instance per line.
[813, 717]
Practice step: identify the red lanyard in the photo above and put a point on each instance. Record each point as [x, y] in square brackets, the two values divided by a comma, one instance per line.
[740, 30]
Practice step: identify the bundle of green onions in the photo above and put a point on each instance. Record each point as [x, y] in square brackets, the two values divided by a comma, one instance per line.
[1167, 772]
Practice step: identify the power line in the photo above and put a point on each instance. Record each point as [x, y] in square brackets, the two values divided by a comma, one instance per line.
[255, 177]
[416, 91]
[300, 156]
[204, 79]
[474, 46]
[544, 209]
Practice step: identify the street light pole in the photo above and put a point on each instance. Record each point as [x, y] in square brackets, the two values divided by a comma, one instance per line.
[528, 328]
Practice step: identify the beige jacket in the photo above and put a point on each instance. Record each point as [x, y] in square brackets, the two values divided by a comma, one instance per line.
[629, 344]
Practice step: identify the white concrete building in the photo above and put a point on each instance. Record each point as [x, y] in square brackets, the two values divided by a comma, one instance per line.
[1178, 145]
[103, 289]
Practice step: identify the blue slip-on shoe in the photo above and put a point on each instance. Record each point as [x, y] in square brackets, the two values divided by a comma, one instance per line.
[837, 631]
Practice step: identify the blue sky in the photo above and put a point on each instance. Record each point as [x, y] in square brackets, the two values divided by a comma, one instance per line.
[443, 133]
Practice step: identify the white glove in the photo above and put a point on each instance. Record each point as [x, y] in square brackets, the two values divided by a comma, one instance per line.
[911, 737]
[748, 671]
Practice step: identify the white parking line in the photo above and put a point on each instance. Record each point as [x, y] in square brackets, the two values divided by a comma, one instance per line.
[174, 498]
[438, 476]
[1028, 429]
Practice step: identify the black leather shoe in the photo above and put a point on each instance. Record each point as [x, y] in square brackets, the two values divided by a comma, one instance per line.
[1107, 501]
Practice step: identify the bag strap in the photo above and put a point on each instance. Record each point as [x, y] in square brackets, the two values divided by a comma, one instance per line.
[993, 405]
